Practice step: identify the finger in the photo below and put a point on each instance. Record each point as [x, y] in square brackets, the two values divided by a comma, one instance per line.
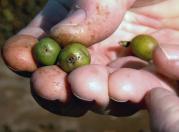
[158, 8]
[171, 23]
[52, 13]
[163, 107]
[142, 3]
[166, 59]
[166, 36]
[17, 54]
[128, 84]
[17, 50]
[90, 83]
[50, 83]
[86, 23]
[50, 89]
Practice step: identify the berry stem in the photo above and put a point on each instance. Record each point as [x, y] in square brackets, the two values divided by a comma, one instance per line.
[125, 43]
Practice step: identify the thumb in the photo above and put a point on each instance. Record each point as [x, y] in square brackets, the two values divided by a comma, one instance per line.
[163, 107]
[91, 21]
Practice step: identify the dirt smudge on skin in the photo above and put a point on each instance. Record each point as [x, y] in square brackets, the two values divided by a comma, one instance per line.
[102, 10]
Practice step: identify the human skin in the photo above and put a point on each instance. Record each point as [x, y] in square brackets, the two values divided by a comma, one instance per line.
[163, 108]
[118, 78]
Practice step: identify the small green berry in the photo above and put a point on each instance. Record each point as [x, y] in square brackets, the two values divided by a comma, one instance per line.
[143, 46]
[73, 56]
[46, 51]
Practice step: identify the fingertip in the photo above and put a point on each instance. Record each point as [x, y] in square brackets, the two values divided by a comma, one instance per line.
[17, 53]
[125, 85]
[50, 83]
[166, 59]
[90, 83]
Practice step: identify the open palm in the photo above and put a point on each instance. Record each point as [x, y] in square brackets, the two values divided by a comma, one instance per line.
[115, 82]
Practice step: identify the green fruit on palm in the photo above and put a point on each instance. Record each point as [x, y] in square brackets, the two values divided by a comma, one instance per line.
[46, 51]
[73, 56]
[142, 46]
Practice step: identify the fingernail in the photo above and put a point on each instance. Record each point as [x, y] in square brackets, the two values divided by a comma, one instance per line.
[79, 97]
[170, 51]
[119, 100]
[74, 18]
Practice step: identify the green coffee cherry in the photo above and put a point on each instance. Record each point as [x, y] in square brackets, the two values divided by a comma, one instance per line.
[46, 51]
[142, 46]
[73, 56]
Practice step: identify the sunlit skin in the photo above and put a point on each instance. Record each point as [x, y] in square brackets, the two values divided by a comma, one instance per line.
[112, 75]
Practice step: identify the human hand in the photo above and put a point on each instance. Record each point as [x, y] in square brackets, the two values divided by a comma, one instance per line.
[107, 78]
[163, 109]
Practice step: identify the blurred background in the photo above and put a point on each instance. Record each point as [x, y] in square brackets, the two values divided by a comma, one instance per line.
[18, 110]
